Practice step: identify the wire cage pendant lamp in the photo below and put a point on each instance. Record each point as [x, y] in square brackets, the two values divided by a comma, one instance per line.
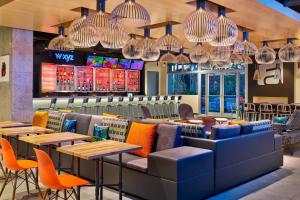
[201, 25]
[149, 51]
[289, 53]
[82, 33]
[130, 14]
[265, 55]
[168, 58]
[132, 49]
[220, 53]
[227, 32]
[61, 42]
[199, 54]
[181, 58]
[249, 48]
[169, 41]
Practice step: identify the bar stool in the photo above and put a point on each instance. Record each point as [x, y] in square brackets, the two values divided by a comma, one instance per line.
[156, 111]
[70, 104]
[84, 105]
[18, 167]
[130, 107]
[171, 107]
[121, 107]
[165, 107]
[284, 110]
[296, 106]
[109, 106]
[179, 98]
[141, 103]
[53, 104]
[266, 111]
[250, 112]
[98, 108]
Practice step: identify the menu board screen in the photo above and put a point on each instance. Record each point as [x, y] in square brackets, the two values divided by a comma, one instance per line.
[110, 62]
[102, 80]
[65, 78]
[124, 64]
[84, 79]
[48, 77]
[133, 81]
[118, 80]
[137, 65]
[94, 61]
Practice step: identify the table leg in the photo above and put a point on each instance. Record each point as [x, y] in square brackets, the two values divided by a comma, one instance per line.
[27, 149]
[120, 176]
[101, 179]
[17, 141]
[78, 174]
[37, 170]
[97, 179]
[59, 159]
[72, 164]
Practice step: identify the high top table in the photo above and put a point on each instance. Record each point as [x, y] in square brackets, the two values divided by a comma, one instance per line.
[96, 151]
[54, 139]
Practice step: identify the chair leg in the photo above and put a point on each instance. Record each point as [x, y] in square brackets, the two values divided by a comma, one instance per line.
[56, 194]
[5, 182]
[2, 169]
[36, 183]
[26, 180]
[15, 185]
[45, 195]
[65, 194]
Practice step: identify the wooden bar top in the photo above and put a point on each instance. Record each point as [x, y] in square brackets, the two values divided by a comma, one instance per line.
[18, 131]
[94, 150]
[54, 138]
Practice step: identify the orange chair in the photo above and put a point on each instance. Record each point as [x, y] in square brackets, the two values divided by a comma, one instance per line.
[1, 167]
[18, 167]
[52, 181]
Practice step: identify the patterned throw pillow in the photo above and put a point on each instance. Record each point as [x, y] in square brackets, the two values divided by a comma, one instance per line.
[117, 128]
[55, 120]
[100, 132]
[191, 130]
[70, 126]
[263, 125]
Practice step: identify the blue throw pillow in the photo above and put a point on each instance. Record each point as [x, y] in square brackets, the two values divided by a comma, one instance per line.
[100, 132]
[223, 132]
[281, 120]
[246, 128]
[70, 126]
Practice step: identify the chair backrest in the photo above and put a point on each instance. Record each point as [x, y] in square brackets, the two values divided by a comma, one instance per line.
[9, 158]
[185, 111]
[265, 107]
[146, 112]
[284, 108]
[250, 107]
[47, 170]
[98, 99]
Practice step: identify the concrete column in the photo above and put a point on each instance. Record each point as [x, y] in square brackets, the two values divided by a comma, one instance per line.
[16, 95]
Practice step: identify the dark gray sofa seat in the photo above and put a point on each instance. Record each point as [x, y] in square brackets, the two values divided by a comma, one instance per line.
[242, 158]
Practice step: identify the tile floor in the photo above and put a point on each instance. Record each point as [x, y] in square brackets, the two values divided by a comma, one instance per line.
[282, 184]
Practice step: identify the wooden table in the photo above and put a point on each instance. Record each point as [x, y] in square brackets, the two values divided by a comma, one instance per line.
[12, 124]
[23, 131]
[54, 139]
[96, 151]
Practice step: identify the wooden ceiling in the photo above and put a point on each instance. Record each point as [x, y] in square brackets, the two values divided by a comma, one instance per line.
[42, 15]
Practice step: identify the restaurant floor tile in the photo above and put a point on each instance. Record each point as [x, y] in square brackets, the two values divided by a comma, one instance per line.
[282, 184]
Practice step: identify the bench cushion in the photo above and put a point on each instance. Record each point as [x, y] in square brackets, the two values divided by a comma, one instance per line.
[223, 132]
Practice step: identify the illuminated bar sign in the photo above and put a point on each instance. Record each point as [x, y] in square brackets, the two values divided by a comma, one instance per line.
[63, 57]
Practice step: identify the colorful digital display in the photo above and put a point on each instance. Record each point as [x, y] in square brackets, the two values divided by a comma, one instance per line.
[124, 64]
[110, 62]
[137, 65]
[95, 61]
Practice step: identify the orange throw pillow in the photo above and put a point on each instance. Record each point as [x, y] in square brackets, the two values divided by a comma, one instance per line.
[110, 115]
[142, 135]
[239, 122]
[40, 118]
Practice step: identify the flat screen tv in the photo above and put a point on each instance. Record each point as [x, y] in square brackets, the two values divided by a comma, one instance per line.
[110, 62]
[137, 65]
[94, 61]
[124, 64]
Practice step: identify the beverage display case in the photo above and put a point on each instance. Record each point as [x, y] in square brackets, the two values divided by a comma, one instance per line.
[118, 80]
[85, 79]
[133, 81]
[48, 83]
[65, 78]
[102, 80]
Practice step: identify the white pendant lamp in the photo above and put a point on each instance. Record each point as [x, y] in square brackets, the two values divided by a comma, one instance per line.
[199, 54]
[169, 41]
[149, 51]
[182, 59]
[168, 58]
[265, 55]
[60, 42]
[289, 52]
[132, 49]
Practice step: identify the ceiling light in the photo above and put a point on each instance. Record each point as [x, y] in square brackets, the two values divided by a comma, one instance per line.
[149, 51]
[168, 58]
[113, 37]
[289, 52]
[265, 55]
[199, 54]
[168, 41]
[132, 49]
[221, 53]
[182, 59]
[60, 42]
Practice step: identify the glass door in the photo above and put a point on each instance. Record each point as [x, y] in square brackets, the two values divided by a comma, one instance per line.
[230, 94]
[214, 94]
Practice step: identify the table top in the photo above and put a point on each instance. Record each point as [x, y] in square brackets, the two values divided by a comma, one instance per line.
[95, 150]
[7, 124]
[18, 131]
[54, 138]
[220, 119]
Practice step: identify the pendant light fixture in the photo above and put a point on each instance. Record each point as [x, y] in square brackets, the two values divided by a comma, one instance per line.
[201, 25]
[181, 58]
[149, 51]
[130, 14]
[289, 52]
[113, 37]
[249, 48]
[61, 42]
[221, 53]
[168, 58]
[247, 59]
[100, 19]
[169, 41]
[236, 59]
[227, 32]
[82, 33]
[132, 49]
[265, 55]
[199, 54]
[256, 75]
